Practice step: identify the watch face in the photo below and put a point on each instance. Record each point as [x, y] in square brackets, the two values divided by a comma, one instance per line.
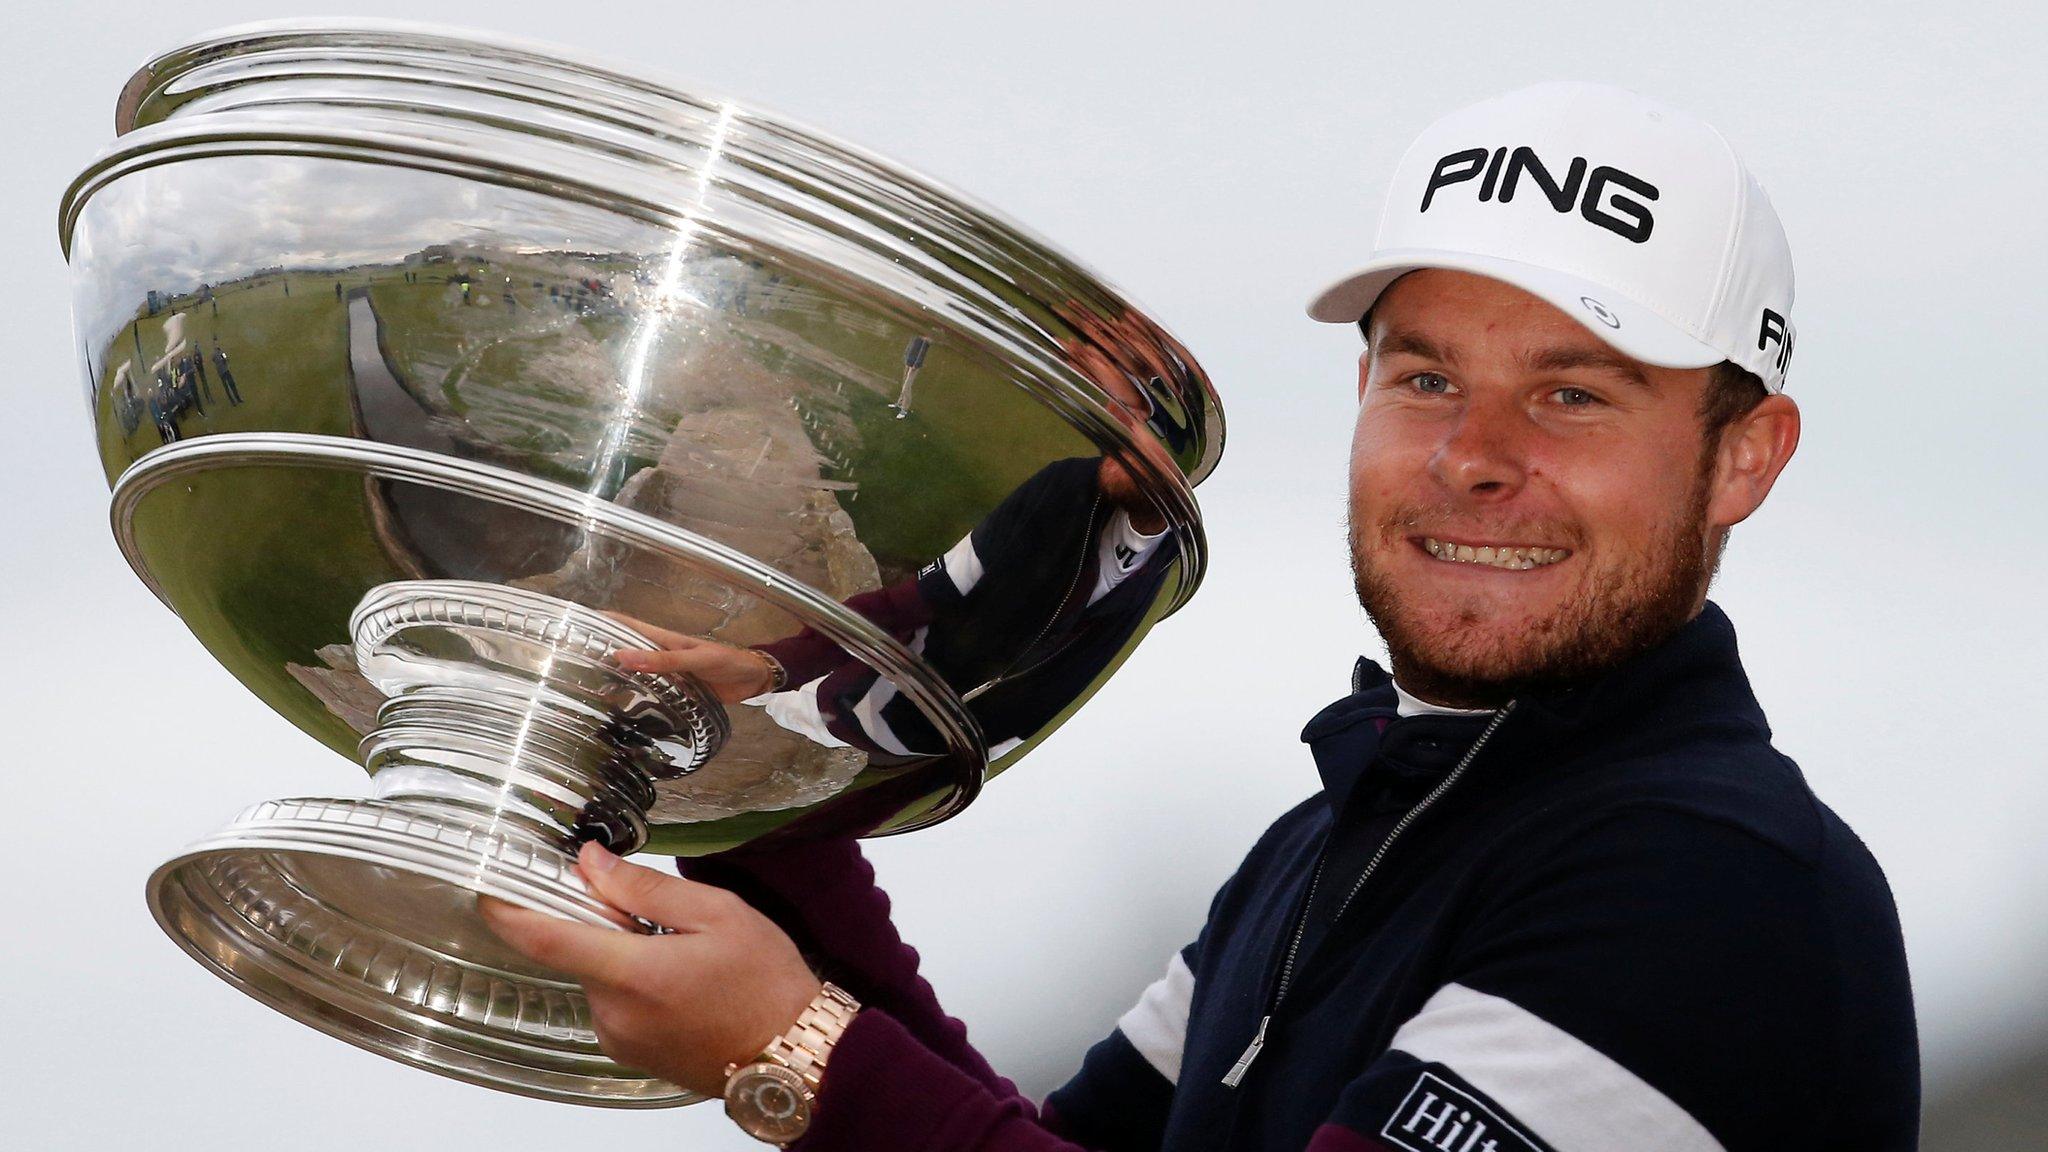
[769, 1101]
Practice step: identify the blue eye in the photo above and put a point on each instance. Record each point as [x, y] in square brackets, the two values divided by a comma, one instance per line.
[1576, 397]
[1434, 383]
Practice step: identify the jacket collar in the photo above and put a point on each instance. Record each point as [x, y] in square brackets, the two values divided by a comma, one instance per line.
[1691, 678]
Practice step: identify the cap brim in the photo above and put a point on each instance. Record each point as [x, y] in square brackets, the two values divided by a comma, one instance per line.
[1625, 325]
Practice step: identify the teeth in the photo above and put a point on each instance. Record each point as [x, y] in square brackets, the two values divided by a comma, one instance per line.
[1513, 559]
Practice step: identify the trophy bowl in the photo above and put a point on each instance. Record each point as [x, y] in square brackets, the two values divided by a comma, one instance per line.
[430, 371]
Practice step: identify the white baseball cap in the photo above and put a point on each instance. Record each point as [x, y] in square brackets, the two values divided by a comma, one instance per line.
[1635, 218]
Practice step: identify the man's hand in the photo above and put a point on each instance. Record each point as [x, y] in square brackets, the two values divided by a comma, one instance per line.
[681, 1006]
[732, 674]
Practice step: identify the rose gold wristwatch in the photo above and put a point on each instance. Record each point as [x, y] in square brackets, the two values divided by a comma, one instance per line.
[770, 1098]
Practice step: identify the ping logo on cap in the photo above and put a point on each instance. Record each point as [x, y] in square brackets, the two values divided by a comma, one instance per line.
[1775, 329]
[1503, 169]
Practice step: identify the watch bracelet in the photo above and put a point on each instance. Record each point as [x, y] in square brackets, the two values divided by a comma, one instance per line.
[807, 1046]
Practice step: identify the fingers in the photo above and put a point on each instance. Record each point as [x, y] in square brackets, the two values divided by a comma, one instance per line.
[654, 632]
[690, 657]
[586, 952]
[670, 901]
[732, 674]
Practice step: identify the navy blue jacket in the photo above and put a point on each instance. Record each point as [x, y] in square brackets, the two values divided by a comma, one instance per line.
[1628, 925]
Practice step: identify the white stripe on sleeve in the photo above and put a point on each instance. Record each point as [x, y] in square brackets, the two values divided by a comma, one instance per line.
[963, 565]
[1157, 1025]
[1574, 1097]
[867, 712]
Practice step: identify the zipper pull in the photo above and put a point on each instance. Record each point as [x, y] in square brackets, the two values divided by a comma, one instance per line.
[1235, 1076]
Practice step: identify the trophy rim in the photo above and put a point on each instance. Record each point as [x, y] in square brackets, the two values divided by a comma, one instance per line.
[144, 141]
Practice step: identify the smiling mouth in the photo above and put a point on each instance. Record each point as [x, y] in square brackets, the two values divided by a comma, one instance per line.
[1515, 558]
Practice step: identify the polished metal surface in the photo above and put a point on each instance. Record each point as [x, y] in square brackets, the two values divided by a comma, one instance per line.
[507, 735]
[431, 371]
[359, 918]
[512, 703]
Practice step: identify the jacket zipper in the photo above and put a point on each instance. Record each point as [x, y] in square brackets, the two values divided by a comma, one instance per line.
[1235, 1076]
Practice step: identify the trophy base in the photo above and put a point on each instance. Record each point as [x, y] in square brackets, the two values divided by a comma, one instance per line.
[359, 918]
[508, 736]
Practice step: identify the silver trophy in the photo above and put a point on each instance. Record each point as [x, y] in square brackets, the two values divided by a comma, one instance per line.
[430, 371]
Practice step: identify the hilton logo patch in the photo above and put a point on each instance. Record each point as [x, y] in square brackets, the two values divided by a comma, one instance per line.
[1437, 1116]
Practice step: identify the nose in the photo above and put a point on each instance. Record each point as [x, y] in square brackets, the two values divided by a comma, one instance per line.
[1481, 454]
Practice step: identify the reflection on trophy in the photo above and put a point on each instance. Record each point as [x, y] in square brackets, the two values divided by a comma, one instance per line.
[468, 366]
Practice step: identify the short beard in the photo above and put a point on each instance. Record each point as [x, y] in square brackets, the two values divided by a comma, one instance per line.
[1616, 619]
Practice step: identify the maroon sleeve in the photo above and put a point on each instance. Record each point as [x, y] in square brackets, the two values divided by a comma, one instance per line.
[1338, 1138]
[824, 895]
[883, 1089]
[898, 609]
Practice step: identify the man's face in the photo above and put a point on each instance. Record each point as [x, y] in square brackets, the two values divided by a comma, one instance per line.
[1128, 404]
[1527, 505]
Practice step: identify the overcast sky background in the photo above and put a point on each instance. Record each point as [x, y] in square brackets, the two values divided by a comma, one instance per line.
[1220, 165]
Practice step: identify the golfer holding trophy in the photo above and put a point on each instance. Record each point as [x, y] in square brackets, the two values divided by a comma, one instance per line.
[576, 494]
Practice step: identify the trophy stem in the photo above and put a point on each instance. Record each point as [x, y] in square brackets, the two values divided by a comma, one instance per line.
[561, 776]
[509, 704]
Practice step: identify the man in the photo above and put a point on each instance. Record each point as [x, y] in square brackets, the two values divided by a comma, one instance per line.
[227, 374]
[198, 356]
[1558, 891]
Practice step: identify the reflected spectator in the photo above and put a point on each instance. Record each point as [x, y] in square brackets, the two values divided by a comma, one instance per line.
[227, 375]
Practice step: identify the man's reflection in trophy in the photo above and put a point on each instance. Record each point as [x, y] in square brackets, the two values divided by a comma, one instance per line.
[1021, 616]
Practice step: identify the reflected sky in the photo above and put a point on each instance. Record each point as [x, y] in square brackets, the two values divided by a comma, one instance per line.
[207, 223]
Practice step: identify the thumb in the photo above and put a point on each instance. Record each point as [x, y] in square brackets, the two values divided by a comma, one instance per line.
[580, 950]
[670, 901]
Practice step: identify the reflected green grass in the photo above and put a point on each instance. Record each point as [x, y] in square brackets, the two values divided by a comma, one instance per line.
[262, 563]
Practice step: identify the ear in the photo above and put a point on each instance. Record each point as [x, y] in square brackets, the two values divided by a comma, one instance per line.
[1364, 370]
[1753, 450]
